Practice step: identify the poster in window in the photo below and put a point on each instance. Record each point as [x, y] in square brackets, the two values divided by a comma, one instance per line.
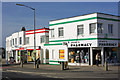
[61, 54]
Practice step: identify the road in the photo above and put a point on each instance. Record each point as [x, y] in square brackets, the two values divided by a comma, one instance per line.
[83, 73]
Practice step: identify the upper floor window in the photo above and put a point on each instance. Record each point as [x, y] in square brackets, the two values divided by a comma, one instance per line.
[110, 28]
[15, 40]
[92, 28]
[99, 27]
[42, 39]
[80, 29]
[20, 40]
[60, 32]
[52, 32]
[47, 39]
[27, 40]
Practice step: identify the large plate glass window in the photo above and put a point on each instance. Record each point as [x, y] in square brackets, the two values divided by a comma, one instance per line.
[60, 32]
[80, 29]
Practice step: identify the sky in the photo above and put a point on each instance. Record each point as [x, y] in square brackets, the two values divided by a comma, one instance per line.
[15, 17]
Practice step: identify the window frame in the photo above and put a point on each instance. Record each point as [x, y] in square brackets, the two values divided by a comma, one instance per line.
[90, 32]
[101, 28]
[60, 30]
[41, 37]
[20, 39]
[80, 27]
[52, 33]
[27, 40]
[15, 41]
[110, 30]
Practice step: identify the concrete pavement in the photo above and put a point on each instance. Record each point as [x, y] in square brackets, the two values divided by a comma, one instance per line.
[53, 71]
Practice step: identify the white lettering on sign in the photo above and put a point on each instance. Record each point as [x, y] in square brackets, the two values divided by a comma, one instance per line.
[107, 44]
[80, 44]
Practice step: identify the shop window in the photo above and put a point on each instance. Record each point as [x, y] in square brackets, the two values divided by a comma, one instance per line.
[52, 32]
[92, 28]
[99, 28]
[79, 56]
[60, 32]
[80, 29]
[110, 28]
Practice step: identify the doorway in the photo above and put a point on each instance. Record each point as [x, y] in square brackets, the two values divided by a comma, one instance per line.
[94, 56]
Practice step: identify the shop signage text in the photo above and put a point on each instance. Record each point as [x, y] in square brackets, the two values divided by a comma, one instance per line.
[78, 44]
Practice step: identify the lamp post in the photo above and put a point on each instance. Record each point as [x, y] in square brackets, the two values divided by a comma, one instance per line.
[34, 32]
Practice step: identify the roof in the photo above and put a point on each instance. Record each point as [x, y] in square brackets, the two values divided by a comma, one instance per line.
[39, 29]
[84, 15]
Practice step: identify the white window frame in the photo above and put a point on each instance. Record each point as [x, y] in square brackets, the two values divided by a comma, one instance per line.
[99, 28]
[91, 32]
[79, 29]
[15, 41]
[42, 39]
[52, 33]
[20, 39]
[27, 40]
[60, 32]
[110, 29]
[46, 39]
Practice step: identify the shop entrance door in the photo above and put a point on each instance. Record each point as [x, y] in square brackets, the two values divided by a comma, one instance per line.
[94, 56]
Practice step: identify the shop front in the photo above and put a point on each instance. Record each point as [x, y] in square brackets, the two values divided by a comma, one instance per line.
[78, 56]
[79, 52]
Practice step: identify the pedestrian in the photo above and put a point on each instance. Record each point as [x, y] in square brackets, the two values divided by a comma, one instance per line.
[97, 59]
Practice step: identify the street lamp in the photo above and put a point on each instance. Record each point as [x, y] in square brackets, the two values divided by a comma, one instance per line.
[34, 32]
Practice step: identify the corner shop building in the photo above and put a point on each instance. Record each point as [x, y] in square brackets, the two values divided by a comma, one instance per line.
[78, 39]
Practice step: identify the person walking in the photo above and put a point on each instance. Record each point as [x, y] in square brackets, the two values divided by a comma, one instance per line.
[97, 59]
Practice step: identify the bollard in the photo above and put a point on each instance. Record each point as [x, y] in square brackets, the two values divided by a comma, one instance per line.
[21, 63]
[106, 66]
[66, 65]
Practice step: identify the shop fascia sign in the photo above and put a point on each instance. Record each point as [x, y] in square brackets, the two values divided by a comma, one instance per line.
[107, 43]
[79, 44]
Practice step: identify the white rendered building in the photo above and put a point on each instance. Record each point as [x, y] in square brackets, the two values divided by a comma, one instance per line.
[78, 39]
[21, 45]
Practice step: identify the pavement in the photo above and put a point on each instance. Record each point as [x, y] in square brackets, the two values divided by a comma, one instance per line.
[54, 71]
